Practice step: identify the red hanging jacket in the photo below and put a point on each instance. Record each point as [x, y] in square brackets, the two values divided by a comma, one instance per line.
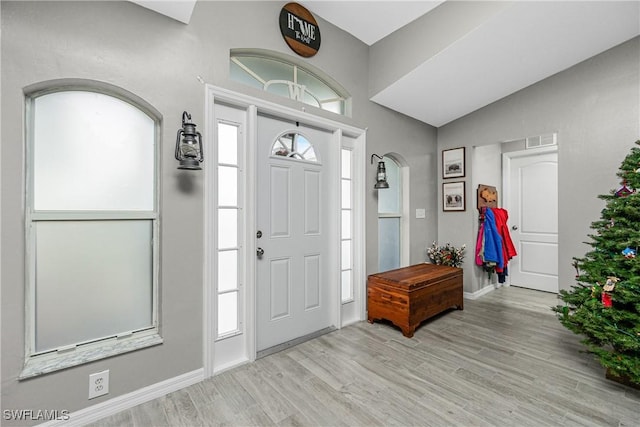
[508, 249]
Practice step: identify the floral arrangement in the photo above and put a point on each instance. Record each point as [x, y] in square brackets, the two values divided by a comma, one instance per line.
[446, 255]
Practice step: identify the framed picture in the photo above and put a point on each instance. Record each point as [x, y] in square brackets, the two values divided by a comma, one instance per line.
[453, 163]
[453, 196]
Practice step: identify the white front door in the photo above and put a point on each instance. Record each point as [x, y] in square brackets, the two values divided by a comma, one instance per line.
[533, 216]
[292, 281]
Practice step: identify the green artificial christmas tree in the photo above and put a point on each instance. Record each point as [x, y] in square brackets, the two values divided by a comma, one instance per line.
[604, 306]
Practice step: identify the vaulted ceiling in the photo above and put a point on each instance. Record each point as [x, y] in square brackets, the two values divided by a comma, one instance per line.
[477, 57]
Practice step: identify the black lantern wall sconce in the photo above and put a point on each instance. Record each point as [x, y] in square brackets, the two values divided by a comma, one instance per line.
[381, 174]
[189, 150]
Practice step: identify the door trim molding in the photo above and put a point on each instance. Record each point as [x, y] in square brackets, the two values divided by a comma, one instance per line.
[280, 111]
[252, 107]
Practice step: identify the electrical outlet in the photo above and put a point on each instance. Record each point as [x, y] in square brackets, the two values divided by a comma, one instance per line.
[98, 384]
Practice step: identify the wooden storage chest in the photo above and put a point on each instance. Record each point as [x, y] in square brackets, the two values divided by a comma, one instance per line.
[408, 296]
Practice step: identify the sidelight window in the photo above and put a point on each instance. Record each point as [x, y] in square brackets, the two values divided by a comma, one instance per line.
[346, 223]
[229, 225]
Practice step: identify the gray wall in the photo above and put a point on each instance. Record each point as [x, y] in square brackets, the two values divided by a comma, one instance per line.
[159, 60]
[595, 108]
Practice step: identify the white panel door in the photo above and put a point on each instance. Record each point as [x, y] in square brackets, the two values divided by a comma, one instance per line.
[292, 217]
[533, 216]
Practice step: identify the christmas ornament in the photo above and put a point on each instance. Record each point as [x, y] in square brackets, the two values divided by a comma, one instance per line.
[624, 191]
[610, 284]
[629, 253]
[606, 300]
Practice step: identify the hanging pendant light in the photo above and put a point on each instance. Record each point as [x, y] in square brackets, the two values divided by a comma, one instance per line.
[381, 174]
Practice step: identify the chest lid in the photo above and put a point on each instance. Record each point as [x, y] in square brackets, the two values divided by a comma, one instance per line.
[416, 276]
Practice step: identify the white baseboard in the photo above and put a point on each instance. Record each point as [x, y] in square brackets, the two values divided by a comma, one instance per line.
[477, 294]
[233, 364]
[352, 322]
[117, 404]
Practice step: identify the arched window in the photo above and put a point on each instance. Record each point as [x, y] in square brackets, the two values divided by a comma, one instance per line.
[392, 252]
[277, 73]
[295, 146]
[92, 213]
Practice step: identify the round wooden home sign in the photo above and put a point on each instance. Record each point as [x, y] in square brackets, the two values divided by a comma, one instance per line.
[300, 30]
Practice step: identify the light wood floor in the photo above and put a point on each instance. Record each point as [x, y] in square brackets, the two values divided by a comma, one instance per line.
[503, 361]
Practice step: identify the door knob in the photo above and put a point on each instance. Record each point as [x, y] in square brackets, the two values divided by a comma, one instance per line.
[259, 252]
[514, 228]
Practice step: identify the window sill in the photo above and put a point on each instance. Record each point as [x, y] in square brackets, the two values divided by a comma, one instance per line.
[47, 363]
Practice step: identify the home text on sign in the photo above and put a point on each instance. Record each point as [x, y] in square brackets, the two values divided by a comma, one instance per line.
[307, 33]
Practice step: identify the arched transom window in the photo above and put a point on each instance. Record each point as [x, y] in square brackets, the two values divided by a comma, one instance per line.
[275, 73]
[294, 145]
